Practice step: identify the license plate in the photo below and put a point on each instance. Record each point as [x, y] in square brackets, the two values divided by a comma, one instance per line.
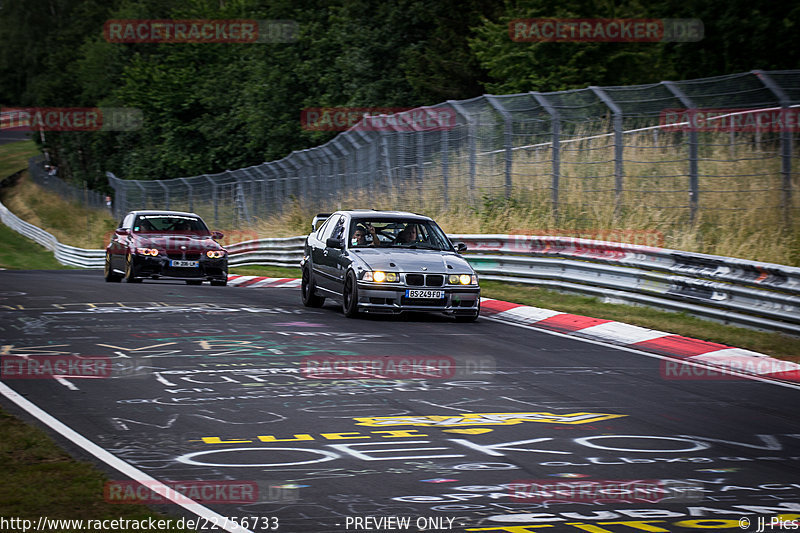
[419, 293]
[184, 264]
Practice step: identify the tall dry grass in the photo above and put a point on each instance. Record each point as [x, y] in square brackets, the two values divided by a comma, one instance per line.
[739, 199]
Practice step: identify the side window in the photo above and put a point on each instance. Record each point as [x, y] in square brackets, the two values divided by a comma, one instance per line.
[323, 228]
[335, 229]
[127, 222]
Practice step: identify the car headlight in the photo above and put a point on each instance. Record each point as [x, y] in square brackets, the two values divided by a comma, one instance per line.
[147, 251]
[215, 254]
[380, 276]
[463, 279]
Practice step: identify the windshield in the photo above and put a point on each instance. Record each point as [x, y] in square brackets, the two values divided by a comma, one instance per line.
[397, 233]
[169, 224]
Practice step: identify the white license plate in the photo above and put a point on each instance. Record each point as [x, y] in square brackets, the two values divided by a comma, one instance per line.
[184, 264]
[419, 293]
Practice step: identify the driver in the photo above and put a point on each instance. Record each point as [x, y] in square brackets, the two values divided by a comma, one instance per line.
[360, 235]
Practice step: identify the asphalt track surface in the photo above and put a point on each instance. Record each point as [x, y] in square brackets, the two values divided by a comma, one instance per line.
[206, 385]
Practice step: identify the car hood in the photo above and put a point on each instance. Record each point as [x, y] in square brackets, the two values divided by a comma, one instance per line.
[406, 260]
[171, 241]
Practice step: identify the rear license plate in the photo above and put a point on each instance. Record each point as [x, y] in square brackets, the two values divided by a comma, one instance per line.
[184, 264]
[419, 293]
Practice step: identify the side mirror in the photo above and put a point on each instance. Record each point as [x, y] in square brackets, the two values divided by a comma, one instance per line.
[122, 232]
[217, 235]
[460, 247]
[334, 243]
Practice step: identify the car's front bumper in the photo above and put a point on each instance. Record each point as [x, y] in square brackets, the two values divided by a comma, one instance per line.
[158, 267]
[384, 298]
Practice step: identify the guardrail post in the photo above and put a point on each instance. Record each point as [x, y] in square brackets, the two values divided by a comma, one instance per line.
[786, 143]
[473, 149]
[508, 140]
[555, 119]
[618, 146]
[694, 182]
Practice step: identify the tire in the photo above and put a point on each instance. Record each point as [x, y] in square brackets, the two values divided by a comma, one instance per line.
[130, 276]
[307, 287]
[194, 281]
[219, 282]
[109, 274]
[350, 295]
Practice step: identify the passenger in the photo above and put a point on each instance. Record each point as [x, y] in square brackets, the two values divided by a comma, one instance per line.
[408, 235]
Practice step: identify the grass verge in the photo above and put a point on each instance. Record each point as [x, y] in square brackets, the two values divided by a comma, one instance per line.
[40, 479]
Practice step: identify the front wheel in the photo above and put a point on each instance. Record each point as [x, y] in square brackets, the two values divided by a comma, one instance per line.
[130, 270]
[350, 296]
[108, 272]
[307, 290]
[219, 282]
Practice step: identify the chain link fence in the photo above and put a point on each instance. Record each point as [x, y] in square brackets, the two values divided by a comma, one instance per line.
[79, 195]
[721, 143]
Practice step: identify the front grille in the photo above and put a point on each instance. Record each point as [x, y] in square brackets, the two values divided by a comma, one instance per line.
[188, 256]
[417, 280]
[425, 280]
[434, 280]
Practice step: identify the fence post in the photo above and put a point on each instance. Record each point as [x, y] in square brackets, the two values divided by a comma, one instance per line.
[303, 186]
[166, 193]
[213, 198]
[694, 183]
[330, 162]
[555, 120]
[473, 148]
[508, 140]
[785, 143]
[282, 181]
[618, 146]
[188, 186]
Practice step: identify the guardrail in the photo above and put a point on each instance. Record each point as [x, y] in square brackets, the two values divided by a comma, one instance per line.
[738, 291]
[750, 293]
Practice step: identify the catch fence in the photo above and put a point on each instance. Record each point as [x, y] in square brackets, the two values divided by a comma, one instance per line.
[714, 144]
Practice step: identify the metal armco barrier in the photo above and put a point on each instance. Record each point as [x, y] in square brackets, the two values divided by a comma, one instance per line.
[285, 252]
[736, 291]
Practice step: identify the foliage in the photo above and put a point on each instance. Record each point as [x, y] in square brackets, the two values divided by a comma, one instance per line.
[212, 107]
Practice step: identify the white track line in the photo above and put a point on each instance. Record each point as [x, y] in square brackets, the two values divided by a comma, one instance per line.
[118, 464]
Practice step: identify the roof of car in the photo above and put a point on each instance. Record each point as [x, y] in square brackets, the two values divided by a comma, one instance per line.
[163, 212]
[383, 214]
